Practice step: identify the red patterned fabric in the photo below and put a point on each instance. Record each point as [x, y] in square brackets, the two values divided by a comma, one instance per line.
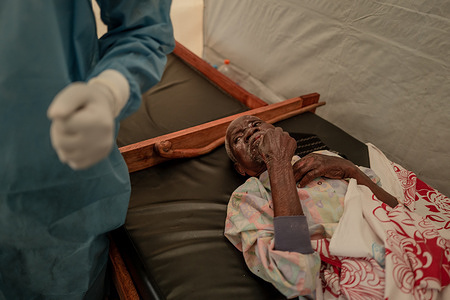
[416, 239]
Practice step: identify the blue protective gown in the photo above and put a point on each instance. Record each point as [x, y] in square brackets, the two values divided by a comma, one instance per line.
[53, 220]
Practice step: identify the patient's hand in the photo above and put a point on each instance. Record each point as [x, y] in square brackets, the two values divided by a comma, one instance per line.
[277, 146]
[316, 165]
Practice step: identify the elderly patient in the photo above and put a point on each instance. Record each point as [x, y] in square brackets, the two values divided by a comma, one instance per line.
[286, 202]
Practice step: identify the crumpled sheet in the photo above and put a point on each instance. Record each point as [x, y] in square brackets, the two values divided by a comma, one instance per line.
[378, 252]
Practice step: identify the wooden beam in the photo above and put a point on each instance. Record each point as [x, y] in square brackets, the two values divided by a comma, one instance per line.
[120, 275]
[226, 84]
[203, 138]
[310, 99]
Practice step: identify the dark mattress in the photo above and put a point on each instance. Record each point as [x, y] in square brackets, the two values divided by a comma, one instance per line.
[172, 241]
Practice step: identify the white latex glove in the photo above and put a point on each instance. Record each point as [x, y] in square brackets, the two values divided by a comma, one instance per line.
[82, 114]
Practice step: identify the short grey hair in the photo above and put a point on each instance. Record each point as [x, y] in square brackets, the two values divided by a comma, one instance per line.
[227, 144]
[228, 149]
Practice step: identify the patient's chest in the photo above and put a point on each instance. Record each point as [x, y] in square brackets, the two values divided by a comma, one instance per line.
[323, 200]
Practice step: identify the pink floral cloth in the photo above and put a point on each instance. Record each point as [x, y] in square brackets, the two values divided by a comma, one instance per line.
[249, 226]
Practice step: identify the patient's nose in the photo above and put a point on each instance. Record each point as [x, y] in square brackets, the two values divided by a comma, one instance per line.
[249, 132]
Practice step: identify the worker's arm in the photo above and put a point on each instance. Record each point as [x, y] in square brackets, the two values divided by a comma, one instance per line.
[132, 57]
[139, 37]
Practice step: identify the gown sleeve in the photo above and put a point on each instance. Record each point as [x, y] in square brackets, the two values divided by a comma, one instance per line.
[249, 226]
[139, 37]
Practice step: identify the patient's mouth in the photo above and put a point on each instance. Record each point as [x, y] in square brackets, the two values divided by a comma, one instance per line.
[255, 139]
[254, 142]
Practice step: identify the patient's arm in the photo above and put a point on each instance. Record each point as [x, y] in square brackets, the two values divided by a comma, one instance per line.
[277, 149]
[290, 225]
[249, 227]
[315, 165]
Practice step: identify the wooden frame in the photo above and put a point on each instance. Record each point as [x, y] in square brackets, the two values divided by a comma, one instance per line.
[195, 141]
[222, 81]
[120, 276]
[204, 138]
[201, 139]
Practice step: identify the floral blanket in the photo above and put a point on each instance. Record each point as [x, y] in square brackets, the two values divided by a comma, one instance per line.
[378, 252]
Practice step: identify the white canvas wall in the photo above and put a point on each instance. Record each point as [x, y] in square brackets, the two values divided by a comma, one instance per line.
[187, 20]
[383, 67]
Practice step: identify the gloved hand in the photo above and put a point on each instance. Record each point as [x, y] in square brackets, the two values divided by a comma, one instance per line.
[82, 114]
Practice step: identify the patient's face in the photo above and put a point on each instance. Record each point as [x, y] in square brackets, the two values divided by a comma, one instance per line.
[243, 136]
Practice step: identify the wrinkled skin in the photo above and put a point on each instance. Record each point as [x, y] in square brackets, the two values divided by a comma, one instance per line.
[316, 165]
[244, 137]
[256, 145]
[277, 145]
[259, 146]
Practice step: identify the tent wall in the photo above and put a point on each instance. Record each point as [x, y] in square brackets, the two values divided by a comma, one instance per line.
[382, 66]
[187, 20]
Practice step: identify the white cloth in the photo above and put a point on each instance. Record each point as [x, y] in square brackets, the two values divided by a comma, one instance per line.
[412, 250]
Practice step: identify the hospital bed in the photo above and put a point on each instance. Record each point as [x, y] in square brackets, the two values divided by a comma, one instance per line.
[172, 244]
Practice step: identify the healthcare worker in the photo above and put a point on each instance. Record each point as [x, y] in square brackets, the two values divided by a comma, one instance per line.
[63, 182]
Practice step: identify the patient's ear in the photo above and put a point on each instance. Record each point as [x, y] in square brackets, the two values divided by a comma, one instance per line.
[239, 169]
